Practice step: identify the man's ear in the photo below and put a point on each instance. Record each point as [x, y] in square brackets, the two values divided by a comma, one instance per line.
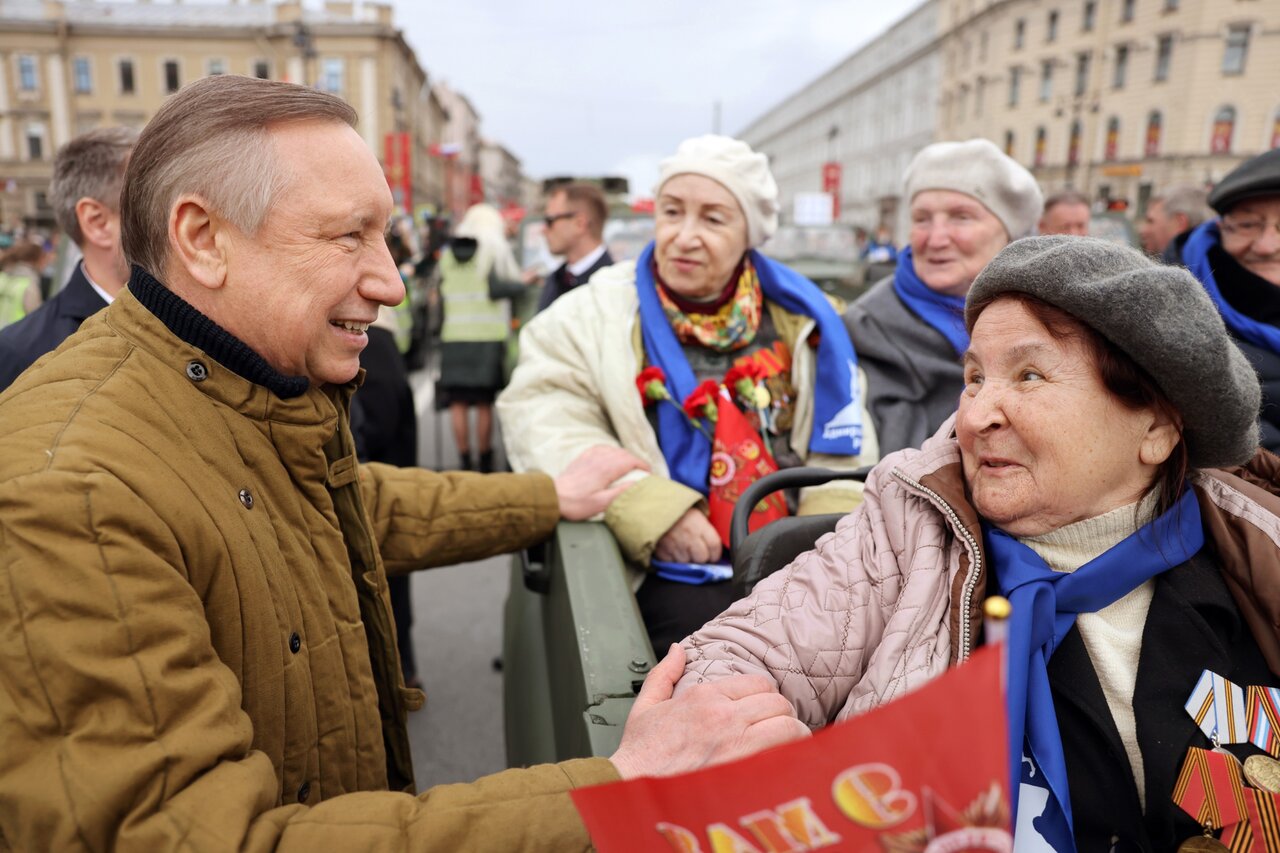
[94, 219]
[198, 239]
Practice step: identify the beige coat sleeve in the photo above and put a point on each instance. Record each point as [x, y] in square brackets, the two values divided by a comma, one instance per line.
[122, 729]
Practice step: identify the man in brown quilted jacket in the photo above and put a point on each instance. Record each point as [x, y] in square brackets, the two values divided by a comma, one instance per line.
[196, 646]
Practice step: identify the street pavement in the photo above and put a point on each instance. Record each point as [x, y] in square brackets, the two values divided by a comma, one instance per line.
[457, 634]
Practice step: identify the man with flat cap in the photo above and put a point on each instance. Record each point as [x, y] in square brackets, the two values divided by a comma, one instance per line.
[1237, 258]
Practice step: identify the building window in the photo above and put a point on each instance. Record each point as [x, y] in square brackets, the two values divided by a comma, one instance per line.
[1090, 15]
[1127, 10]
[1082, 73]
[1041, 144]
[1111, 147]
[1275, 130]
[35, 141]
[1051, 30]
[331, 76]
[1015, 83]
[982, 47]
[1046, 80]
[1121, 69]
[1019, 33]
[1237, 49]
[1008, 143]
[1073, 144]
[126, 77]
[978, 96]
[217, 66]
[262, 70]
[1171, 5]
[27, 79]
[1224, 127]
[1164, 57]
[82, 72]
[172, 78]
[1151, 145]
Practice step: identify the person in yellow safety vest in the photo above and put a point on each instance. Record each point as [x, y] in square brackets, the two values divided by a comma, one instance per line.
[478, 273]
[19, 281]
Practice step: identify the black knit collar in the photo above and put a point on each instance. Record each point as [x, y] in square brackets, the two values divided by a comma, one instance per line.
[198, 330]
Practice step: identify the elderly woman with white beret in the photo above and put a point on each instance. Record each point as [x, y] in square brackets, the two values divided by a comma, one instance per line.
[1087, 477]
[699, 302]
[967, 200]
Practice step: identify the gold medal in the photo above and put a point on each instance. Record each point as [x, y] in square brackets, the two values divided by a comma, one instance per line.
[1263, 772]
[1202, 844]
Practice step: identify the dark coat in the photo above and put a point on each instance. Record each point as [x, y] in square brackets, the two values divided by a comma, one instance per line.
[49, 325]
[914, 378]
[562, 281]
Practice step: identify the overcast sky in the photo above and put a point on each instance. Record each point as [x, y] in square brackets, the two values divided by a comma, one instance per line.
[612, 86]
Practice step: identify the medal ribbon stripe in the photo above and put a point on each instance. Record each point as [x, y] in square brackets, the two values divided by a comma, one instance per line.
[1200, 705]
[1264, 718]
[1218, 706]
[1210, 789]
[1260, 831]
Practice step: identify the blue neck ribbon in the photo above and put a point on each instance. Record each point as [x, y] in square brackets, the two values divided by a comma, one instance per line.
[1195, 254]
[941, 311]
[837, 405]
[1045, 605]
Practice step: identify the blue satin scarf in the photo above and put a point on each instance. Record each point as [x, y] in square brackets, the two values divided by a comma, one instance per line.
[1195, 254]
[942, 312]
[837, 419]
[1045, 605]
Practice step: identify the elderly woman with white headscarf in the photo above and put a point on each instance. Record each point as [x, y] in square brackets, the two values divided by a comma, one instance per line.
[700, 305]
[967, 200]
[477, 273]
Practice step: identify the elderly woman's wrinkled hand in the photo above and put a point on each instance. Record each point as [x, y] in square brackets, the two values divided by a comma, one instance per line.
[692, 539]
[584, 487]
[708, 724]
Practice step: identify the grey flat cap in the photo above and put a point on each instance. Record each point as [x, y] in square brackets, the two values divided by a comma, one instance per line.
[1253, 178]
[1159, 315]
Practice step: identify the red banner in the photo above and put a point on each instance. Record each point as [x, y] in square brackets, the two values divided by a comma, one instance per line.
[831, 176]
[396, 164]
[927, 773]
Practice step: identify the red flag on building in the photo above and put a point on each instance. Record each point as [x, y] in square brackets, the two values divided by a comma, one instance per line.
[738, 459]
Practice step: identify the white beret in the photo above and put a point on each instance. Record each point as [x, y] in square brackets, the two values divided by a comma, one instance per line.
[731, 163]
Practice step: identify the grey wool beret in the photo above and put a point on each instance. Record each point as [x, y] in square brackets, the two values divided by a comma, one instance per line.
[1159, 315]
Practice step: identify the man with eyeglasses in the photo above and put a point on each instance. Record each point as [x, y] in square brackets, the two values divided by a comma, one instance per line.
[574, 217]
[1237, 258]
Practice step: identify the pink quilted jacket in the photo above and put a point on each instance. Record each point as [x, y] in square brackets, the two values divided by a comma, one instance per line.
[868, 614]
[893, 596]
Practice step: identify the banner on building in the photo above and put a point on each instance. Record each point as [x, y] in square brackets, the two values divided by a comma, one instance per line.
[832, 173]
[396, 162]
[927, 773]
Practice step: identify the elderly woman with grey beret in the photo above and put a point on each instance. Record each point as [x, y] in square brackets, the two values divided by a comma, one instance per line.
[1102, 472]
[700, 305]
[967, 201]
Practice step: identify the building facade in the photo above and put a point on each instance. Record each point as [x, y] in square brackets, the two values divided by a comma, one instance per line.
[869, 115]
[501, 175]
[463, 185]
[1115, 98]
[68, 67]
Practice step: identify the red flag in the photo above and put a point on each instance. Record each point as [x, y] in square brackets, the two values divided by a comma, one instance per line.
[738, 459]
[897, 779]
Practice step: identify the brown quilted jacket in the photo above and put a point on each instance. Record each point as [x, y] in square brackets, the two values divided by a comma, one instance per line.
[893, 596]
[196, 645]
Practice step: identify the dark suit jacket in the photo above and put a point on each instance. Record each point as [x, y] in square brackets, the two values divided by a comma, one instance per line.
[1193, 625]
[558, 283]
[49, 325]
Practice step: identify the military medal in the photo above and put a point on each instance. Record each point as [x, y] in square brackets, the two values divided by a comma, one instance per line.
[1218, 707]
[1263, 772]
[1202, 844]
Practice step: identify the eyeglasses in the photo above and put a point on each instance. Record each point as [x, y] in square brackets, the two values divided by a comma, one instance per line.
[552, 218]
[1248, 227]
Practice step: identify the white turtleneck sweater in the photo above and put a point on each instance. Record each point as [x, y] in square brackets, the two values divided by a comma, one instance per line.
[1113, 635]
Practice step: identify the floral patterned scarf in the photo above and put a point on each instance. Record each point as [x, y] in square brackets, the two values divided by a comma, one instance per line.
[731, 326]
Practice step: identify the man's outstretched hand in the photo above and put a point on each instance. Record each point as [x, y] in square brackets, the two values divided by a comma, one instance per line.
[708, 724]
[584, 485]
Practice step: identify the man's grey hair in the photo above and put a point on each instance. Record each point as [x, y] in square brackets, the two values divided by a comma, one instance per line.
[1065, 197]
[89, 166]
[1187, 199]
[212, 140]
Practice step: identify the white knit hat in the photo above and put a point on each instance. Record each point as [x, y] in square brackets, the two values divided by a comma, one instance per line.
[979, 169]
[731, 163]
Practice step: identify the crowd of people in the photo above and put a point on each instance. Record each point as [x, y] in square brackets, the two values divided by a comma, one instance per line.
[209, 494]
